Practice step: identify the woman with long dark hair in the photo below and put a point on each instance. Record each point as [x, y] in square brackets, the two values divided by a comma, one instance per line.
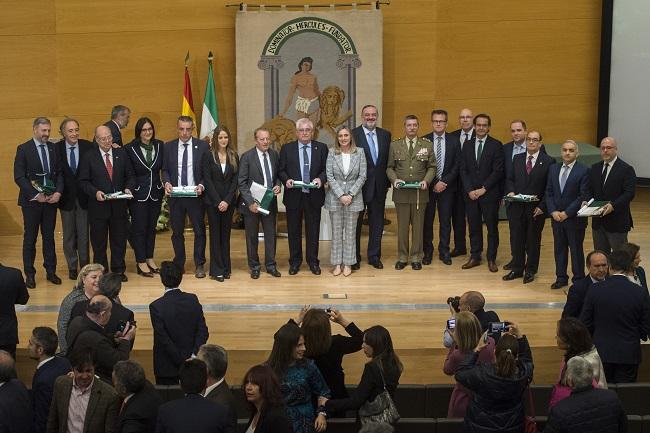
[220, 168]
[497, 389]
[299, 378]
[145, 154]
[637, 272]
[262, 391]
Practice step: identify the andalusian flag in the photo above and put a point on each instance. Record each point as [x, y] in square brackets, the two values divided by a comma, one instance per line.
[187, 108]
[210, 115]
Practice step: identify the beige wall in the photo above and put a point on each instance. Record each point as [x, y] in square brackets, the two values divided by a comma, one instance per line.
[513, 59]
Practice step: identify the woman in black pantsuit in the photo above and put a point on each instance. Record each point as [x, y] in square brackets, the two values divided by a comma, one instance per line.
[220, 167]
[145, 154]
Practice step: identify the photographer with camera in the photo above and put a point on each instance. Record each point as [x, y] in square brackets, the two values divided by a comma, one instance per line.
[473, 302]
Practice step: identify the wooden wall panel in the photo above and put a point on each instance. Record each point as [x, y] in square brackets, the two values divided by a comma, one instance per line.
[27, 17]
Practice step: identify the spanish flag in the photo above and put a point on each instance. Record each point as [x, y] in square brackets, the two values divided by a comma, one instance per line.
[187, 109]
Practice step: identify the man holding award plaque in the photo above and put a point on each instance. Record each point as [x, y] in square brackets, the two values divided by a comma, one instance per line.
[258, 186]
[411, 168]
[37, 173]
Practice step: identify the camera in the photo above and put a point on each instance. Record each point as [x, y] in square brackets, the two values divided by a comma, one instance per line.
[122, 324]
[451, 324]
[454, 301]
[497, 327]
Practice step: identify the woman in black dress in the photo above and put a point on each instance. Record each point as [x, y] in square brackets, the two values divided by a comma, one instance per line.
[220, 167]
[145, 154]
[262, 391]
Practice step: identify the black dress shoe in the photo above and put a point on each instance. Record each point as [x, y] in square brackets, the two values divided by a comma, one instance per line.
[293, 270]
[218, 278]
[30, 282]
[377, 264]
[456, 253]
[226, 275]
[426, 260]
[356, 266]
[153, 270]
[508, 266]
[73, 274]
[315, 269]
[416, 266]
[528, 277]
[124, 278]
[512, 275]
[446, 260]
[274, 272]
[143, 273]
[400, 265]
[53, 278]
[255, 274]
[559, 284]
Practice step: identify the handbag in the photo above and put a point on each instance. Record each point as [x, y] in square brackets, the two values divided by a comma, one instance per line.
[530, 426]
[381, 409]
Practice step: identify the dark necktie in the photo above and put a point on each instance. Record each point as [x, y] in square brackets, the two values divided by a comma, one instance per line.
[439, 156]
[479, 151]
[46, 166]
[267, 171]
[305, 167]
[73, 160]
[184, 166]
[109, 166]
[604, 174]
[529, 164]
[466, 137]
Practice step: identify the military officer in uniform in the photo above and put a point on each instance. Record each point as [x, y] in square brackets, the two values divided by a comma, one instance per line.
[410, 160]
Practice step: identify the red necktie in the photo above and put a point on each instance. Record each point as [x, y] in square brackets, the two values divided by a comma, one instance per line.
[529, 164]
[109, 166]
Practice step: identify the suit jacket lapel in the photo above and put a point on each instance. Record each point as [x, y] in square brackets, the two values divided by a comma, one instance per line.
[258, 164]
[196, 163]
[95, 395]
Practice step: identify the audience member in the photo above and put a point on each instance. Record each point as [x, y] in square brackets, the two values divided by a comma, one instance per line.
[637, 272]
[216, 387]
[140, 400]
[573, 338]
[473, 302]
[193, 413]
[381, 373]
[263, 394]
[598, 270]
[80, 403]
[89, 332]
[466, 334]
[587, 409]
[15, 405]
[497, 389]
[12, 291]
[42, 347]
[178, 326]
[617, 313]
[300, 380]
[120, 116]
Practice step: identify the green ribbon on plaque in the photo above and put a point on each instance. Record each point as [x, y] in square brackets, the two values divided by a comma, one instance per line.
[46, 187]
[118, 195]
[184, 191]
[592, 208]
[521, 198]
[408, 185]
[301, 184]
[263, 196]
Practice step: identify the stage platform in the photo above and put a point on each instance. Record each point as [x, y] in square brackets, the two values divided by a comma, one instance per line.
[242, 314]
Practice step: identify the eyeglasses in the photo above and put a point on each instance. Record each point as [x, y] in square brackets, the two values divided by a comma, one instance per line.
[147, 129]
[107, 138]
[438, 122]
[533, 140]
[303, 130]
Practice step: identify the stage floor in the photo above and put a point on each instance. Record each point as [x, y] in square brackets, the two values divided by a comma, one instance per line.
[242, 314]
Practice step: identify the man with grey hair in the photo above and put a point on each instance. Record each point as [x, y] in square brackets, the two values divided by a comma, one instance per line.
[587, 409]
[216, 387]
[303, 160]
[15, 403]
[119, 120]
[139, 410]
[37, 172]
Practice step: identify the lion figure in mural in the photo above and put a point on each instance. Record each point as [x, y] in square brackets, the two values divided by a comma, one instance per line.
[331, 100]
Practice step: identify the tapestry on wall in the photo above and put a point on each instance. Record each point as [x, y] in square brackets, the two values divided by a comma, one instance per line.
[324, 65]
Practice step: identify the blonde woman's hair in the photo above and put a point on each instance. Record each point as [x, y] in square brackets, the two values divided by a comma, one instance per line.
[467, 332]
[90, 267]
[337, 145]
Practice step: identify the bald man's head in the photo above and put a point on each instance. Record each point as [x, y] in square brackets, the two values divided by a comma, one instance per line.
[7, 366]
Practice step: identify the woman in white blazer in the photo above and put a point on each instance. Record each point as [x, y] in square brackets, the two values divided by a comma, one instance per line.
[346, 173]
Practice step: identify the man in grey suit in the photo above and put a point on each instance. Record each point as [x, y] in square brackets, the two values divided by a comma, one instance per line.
[259, 164]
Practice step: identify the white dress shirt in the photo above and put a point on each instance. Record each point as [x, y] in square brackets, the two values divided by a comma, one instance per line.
[267, 182]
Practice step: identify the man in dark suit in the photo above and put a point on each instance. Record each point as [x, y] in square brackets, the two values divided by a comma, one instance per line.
[141, 401]
[12, 291]
[81, 402]
[105, 170]
[187, 153]
[15, 405]
[443, 189]
[178, 326]
[612, 180]
[119, 120]
[528, 176]
[617, 313]
[567, 188]
[375, 143]
[36, 162]
[481, 169]
[459, 214]
[597, 268]
[193, 413]
[42, 347]
[303, 160]
[260, 165]
[73, 204]
[216, 387]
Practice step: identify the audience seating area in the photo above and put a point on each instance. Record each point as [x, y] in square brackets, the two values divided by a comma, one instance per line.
[424, 408]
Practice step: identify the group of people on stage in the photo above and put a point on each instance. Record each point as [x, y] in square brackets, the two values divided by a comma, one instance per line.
[462, 175]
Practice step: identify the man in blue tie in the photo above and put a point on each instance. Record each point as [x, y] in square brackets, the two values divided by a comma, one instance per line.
[567, 187]
[74, 203]
[37, 165]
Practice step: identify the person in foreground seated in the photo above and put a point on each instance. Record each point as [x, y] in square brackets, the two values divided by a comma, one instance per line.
[178, 326]
[598, 268]
[497, 403]
[139, 409]
[193, 413]
[81, 403]
[216, 387]
[262, 391]
[42, 347]
[473, 302]
[587, 409]
[617, 313]
[15, 405]
[12, 291]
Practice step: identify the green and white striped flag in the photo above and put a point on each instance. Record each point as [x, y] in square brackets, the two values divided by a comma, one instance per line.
[210, 114]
